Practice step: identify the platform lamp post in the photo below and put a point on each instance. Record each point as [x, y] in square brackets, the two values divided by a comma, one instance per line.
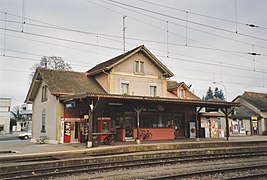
[90, 128]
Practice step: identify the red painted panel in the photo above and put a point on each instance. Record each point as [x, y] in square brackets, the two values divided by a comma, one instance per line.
[104, 126]
[67, 131]
[155, 133]
[120, 136]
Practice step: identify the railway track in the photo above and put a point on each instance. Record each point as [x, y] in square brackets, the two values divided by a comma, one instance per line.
[212, 174]
[127, 164]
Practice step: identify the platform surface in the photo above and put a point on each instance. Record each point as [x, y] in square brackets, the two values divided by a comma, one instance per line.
[23, 147]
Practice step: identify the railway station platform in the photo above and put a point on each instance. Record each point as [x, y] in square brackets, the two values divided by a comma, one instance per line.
[26, 148]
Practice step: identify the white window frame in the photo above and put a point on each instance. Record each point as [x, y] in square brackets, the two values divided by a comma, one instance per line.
[139, 67]
[126, 83]
[153, 90]
[180, 93]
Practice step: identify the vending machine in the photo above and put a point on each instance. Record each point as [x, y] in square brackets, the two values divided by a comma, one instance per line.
[104, 126]
[192, 128]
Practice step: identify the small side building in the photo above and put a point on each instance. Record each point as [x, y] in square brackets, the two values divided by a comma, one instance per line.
[5, 104]
[251, 117]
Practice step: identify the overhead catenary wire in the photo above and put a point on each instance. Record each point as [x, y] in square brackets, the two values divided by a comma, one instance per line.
[181, 19]
[234, 83]
[106, 35]
[109, 55]
[62, 39]
[39, 55]
[91, 44]
[147, 40]
[54, 44]
[36, 60]
[206, 48]
[199, 14]
[163, 20]
[145, 22]
[108, 47]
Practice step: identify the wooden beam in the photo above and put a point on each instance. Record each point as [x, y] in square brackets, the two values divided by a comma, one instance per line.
[37, 81]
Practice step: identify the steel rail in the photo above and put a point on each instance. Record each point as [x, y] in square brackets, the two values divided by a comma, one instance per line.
[90, 167]
[208, 172]
[247, 177]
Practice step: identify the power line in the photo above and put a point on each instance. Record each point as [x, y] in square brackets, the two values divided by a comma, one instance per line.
[190, 12]
[153, 41]
[180, 19]
[62, 39]
[27, 53]
[212, 64]
[158, 28]
[54, 44]
[36, 60]
[174, 58]
[91, 33]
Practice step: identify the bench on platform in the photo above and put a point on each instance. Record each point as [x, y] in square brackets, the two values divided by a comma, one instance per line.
[41, 140]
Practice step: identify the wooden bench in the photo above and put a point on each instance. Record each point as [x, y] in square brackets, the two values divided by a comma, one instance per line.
[41, 140]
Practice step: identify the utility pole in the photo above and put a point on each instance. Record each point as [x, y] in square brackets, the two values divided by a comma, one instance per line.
[124, 29]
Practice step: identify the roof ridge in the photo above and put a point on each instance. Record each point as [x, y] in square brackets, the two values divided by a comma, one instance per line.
[57, 70]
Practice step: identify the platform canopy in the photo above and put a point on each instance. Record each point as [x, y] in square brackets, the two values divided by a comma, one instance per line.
[147, 99]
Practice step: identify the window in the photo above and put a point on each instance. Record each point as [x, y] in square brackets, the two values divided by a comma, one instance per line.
[153, 90]
[43, 121]
[44, 93]
[125, 87]
[139, 67]
[181, 93]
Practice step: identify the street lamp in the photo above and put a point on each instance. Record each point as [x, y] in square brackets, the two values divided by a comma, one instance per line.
[223, 87]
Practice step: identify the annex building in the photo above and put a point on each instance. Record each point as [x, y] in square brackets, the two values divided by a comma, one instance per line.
[130, 95]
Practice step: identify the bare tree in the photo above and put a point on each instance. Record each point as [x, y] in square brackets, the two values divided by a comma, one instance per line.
[50, 62]
[16, 112]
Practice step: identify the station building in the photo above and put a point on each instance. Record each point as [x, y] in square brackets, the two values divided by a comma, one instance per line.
[250, 118]
[127, 94]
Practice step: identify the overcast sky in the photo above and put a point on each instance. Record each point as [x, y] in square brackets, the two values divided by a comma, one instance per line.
[201, 42]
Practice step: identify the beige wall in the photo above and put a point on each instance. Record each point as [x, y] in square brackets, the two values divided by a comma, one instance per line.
[138, 83]
[51, 119]
[103, 80]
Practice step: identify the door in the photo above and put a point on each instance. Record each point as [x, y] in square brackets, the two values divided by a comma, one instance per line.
[179, 125]
[128, 125]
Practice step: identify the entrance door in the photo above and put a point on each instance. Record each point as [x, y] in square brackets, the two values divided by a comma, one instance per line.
[179, 125]
[74, 132]
[128, 124]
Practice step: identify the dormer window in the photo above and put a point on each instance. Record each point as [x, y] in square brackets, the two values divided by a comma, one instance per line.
[139, 67]
[180, 93]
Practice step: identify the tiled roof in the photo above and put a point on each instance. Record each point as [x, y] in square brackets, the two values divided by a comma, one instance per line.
[109, 64]
[243, 112]
[259, 100]
[64, 82]
[173, 85]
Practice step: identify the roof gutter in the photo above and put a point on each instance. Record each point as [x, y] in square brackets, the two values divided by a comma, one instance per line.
[97, 71]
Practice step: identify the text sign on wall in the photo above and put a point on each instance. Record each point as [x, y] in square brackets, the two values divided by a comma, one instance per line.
[70, 104]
